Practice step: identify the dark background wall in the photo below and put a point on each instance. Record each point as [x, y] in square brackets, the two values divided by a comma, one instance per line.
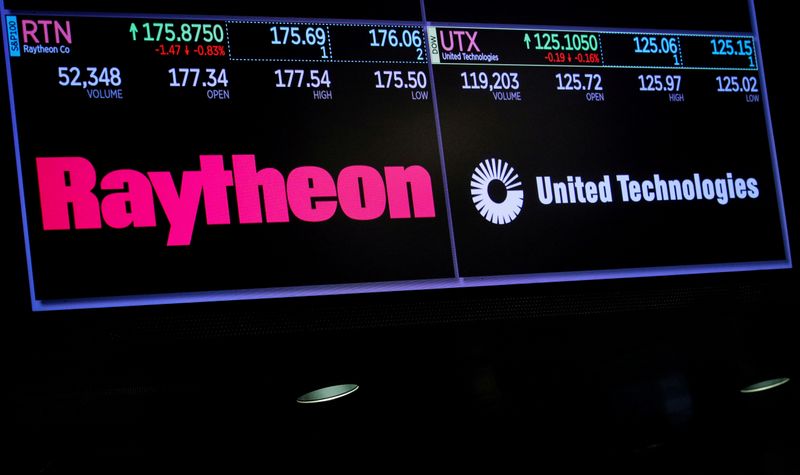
[641, 376]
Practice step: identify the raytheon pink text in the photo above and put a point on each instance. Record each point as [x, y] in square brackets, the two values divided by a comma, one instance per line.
[70, 198]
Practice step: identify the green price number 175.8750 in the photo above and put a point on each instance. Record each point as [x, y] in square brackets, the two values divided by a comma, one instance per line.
[184, 32]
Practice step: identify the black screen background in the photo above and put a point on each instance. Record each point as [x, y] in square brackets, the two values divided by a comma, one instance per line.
[283, 128]
[636, 134]
[688, 15]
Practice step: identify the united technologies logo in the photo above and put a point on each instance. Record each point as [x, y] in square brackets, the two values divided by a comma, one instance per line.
[496, 191]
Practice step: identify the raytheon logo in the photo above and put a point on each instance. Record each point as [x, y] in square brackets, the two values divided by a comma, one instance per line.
[495, 191]
[68, 186]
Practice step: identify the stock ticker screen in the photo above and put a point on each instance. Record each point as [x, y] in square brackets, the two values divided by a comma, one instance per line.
[190, 158]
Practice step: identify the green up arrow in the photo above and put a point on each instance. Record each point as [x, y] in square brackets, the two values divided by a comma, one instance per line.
[133, 30]
[527, 41]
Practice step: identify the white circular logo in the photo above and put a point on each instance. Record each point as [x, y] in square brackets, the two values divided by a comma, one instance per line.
[494, 191]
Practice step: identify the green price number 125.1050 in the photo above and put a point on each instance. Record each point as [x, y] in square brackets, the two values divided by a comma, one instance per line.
[562, 41]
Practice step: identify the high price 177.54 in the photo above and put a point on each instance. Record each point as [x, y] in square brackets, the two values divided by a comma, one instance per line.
[312, 78]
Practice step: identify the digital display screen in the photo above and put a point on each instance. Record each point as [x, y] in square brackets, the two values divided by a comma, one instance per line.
[180, 158]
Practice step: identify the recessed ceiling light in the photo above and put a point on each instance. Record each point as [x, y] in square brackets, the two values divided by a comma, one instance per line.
[327, 394]
[764, 385]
